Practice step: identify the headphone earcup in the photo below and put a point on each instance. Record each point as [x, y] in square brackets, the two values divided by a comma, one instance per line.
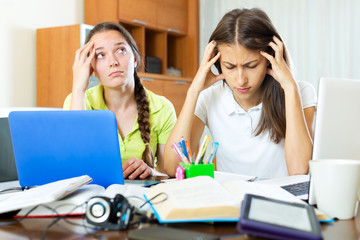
[98, 210]
[109, 213]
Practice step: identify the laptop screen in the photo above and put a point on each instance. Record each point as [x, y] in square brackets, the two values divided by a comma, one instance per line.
[55, 145]
[7, 159]
[337, 124]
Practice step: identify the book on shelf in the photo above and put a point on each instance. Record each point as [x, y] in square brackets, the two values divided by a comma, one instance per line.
[75, 203]
[203, 199]
[42, 194]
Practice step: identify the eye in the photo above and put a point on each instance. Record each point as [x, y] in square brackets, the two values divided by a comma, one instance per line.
[121, 51]
[99, 56]
[229, 66]
[252, 66]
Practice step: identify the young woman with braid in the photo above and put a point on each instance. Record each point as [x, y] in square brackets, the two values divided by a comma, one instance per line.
[260, 115]
[144, 119]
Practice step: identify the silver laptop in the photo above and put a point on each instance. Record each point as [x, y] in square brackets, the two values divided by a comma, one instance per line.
[7, 159]
[337, 124]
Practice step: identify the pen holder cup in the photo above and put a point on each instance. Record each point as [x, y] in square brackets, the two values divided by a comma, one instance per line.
[198, 170]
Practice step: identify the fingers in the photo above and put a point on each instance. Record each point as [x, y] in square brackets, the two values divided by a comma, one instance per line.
[268, 57]
[90, 57]
[214, 59]
[278, 47]
[219, 77]
[209, 49]
[83, 52]
[134, 168]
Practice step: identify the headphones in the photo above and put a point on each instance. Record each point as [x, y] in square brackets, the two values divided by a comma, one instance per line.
[109, 213]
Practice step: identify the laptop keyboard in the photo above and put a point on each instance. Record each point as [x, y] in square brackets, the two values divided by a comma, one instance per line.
[298, 189]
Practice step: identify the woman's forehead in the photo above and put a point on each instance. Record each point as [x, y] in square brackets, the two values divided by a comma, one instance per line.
[111, 36]
[237, 53]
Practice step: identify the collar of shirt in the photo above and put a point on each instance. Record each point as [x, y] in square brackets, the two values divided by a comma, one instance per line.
[232, 107]
[98, 101]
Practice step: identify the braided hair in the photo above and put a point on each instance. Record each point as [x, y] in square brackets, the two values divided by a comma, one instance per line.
[140, 94]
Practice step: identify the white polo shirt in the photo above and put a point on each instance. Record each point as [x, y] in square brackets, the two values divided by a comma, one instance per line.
[230, 125]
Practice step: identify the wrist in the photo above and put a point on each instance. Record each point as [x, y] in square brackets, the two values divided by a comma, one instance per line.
[78, 90]
[194, 90]
[290, 87]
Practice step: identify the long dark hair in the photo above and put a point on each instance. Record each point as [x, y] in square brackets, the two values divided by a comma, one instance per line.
[140, 94]
[253, 29]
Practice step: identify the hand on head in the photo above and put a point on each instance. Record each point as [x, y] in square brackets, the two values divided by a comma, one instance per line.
[279, 68]
[204, 77]
[82, 69]
[136, 168]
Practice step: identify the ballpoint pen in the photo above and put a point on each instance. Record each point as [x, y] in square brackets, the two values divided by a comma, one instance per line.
[184, 148]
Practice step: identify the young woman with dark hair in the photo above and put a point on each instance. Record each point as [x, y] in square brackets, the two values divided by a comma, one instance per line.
[144, 119]
[261, 117]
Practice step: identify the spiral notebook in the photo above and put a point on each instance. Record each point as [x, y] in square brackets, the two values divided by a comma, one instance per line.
[55, 145]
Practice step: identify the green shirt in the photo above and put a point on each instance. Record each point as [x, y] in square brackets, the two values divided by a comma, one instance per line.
[162, 121]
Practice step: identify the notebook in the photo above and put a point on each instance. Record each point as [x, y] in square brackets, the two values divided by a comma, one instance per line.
[337, 125]
[55, 145]
[7, 159]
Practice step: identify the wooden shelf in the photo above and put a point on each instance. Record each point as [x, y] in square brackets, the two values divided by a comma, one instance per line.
[165, 29]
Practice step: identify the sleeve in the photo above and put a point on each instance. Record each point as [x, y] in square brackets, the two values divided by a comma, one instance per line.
[67, 103]
[308, 95]
[200, 109]
[168, 119]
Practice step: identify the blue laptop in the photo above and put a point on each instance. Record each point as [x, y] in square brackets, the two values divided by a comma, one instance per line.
[55, 145]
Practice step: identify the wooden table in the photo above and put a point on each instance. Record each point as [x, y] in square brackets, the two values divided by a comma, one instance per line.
[34, 229]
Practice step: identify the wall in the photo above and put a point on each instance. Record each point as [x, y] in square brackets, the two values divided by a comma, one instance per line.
[322, 36]
[19, 20]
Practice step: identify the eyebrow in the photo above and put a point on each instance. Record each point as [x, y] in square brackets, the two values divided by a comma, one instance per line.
[248, 63]
[116, 44]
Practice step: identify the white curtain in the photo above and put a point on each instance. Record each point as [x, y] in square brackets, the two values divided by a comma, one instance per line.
[323, 36]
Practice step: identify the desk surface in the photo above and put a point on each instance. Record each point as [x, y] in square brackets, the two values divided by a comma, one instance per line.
[34, 229]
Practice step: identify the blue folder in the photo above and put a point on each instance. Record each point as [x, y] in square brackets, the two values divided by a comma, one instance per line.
[55, 145]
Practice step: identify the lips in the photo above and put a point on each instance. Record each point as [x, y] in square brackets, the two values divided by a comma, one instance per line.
[242, 90]
[115, 73]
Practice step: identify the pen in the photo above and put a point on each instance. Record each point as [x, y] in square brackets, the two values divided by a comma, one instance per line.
[189, 150]
[183, 145]
[213, 153]
[176, 150]
[180, 154]
[202, 149]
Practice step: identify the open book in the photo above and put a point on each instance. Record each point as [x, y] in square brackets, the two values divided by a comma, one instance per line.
[205, 199]
[42, 194]
[75, 203]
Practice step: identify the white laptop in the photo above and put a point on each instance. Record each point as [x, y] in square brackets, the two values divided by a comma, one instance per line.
[337, 124]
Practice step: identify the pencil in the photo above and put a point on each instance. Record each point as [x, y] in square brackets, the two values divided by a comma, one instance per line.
[213, 153]
[202, 149]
